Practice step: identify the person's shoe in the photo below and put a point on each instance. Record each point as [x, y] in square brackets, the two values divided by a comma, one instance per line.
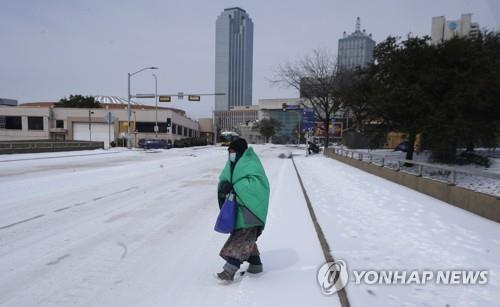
[228, 273]
[255, 268]
[225, 275]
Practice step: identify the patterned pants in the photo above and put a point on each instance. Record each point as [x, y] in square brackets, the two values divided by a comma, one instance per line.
[241, 244]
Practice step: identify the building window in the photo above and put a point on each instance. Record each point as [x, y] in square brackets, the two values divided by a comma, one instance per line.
[174, 128]
[13, 122]
[179, 130]
[149, 127]
[185, 131]
[60, 123]
[145, 127]
[190, 132]
[35, 123]
[162, 127]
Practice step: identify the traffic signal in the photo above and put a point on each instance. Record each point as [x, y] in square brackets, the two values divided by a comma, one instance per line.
[194, 98]
[169, 122]
[284, 106]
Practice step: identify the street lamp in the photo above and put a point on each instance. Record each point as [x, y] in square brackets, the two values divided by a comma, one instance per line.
[156, 107]
[90, 125]
[129, 144]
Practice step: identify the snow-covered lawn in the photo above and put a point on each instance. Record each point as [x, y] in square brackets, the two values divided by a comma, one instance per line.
[134, 228]
[375, 224]
[477, 183]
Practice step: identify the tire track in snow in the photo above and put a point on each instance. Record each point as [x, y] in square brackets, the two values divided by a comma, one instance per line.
[23, 221]
[66, 208]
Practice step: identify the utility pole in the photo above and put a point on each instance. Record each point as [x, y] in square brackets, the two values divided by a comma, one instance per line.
[129, 143]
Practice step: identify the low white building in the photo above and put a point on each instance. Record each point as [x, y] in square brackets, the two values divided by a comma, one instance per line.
[230, 120]
[36, 121]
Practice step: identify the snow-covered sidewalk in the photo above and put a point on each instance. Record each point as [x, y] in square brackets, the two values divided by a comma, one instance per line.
[374, 224]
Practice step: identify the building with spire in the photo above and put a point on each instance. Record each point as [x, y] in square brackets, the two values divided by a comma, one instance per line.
[355, 49]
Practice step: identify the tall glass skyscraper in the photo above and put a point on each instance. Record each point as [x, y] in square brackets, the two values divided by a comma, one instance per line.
[356, 49]
[233, 59]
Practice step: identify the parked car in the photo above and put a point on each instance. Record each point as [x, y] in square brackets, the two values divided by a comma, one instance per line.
[154, 144]
[403, 146]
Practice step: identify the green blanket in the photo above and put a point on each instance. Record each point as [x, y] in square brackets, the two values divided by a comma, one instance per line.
[251, 186]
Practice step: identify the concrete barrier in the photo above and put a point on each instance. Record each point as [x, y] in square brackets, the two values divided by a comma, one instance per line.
[485, 205]
[11, 147]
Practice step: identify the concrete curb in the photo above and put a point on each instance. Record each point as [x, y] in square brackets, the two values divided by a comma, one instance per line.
[342, 294]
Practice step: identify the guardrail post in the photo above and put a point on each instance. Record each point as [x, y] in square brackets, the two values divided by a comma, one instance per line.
[453, 177]
[398, 168]
[382, 162]
[371, 158]
[360, 156]
[420, 170]
[352, 154]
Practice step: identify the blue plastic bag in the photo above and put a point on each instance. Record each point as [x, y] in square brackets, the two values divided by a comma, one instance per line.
[227, 216]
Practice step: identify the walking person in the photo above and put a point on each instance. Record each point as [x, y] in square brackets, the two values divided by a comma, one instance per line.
[244, 176]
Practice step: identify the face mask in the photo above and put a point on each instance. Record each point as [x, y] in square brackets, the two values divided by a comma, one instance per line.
[232, 157]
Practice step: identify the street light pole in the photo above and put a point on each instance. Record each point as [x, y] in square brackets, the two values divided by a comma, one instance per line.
[90, 125]
[156, 105]
[129, 143]
[214, 129]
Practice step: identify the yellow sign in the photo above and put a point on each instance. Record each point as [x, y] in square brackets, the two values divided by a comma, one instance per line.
[164, 98]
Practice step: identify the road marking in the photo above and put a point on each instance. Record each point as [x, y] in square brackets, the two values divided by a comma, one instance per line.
[54, 262]
[23, 221]
[126, 190]
[62, 209]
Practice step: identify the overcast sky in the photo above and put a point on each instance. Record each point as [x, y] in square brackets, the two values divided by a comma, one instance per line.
[52, 48]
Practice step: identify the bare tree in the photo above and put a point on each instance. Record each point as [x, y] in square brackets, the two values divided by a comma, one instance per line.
[315, 77]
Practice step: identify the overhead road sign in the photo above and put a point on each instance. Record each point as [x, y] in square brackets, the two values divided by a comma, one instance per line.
[144, 96]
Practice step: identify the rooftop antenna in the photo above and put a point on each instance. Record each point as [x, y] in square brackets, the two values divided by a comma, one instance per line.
[358, 24]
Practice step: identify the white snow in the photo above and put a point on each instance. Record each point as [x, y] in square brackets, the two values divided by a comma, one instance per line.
[375, 224]
[135, 228]
[482, 184]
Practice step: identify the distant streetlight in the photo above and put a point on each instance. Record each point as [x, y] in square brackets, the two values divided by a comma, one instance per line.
[90, 125]
[156, 105]
[129, 144]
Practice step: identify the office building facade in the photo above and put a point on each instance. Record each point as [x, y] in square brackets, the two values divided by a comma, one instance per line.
[233, 59]
[443, 29]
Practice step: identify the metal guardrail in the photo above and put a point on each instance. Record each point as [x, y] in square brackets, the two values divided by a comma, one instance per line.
[383, 162]
[47, 146]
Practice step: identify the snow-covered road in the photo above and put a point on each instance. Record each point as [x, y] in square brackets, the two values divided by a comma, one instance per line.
[134, 228]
